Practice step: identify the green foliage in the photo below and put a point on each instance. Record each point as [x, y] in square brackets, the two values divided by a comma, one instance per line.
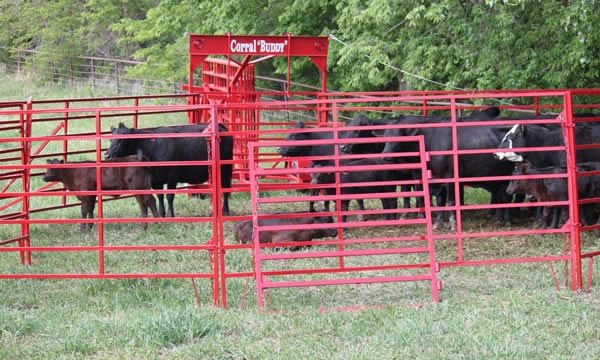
[491, 44]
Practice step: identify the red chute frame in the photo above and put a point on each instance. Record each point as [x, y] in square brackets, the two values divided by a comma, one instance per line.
[231, 80]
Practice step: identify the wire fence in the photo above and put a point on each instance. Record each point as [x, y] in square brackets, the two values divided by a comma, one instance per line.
[109, 75]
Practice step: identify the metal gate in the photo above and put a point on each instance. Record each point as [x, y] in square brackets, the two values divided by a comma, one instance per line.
[341, 247]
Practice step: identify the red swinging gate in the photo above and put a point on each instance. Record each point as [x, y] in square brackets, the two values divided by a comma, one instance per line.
[343, 248]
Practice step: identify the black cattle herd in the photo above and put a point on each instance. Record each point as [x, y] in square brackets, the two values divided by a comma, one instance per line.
[501, 163]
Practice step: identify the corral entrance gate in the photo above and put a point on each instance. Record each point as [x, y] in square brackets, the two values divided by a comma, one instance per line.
[408, 257]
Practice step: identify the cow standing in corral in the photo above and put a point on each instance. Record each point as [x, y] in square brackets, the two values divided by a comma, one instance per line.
[523, 136]
[314, 150]
[243, 230]
[192, 148]
[360, 120]
[113, 178]
[473, 165]
[555, 189]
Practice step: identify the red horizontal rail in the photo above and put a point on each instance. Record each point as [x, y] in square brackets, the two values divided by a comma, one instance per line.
[109, 276]
[268, 284]
[364, 252]
[109, 248]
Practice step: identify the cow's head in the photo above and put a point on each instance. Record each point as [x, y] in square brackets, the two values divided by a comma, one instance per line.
[293, 151]
[319, 233]
[358, 120]
[514, 138]
[392, 146]
[52, 174]
[519, 185]
[121, 147]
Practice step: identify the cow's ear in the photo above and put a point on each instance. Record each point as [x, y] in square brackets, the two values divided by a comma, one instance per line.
[121, 125]
[49, 161]
[112, 128]
[492, 111]
[61, 161]
[523, 129]
[300, 125]
[525, 167]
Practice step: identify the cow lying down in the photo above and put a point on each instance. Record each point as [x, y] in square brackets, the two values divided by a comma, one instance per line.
[243, 230]
[555, 189]
[113, 178]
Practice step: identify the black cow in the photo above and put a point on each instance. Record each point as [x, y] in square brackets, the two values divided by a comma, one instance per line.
[522, 136]
[555, 189]
[174, 149]
[362, 121]
[316, 150]
[364, 176]
[476, 165]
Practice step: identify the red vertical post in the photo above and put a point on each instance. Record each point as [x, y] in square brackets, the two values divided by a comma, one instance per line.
[574, 222]
[25, 132]
[255, 236]
[455, 178]
[22, 134]
[65, 143]
[135, 113]
[26, 179]
[338, 190]
[217, 238]
[99, 194]
[427, 202]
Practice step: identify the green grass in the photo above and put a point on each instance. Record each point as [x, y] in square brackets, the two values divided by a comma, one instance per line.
[505, 311]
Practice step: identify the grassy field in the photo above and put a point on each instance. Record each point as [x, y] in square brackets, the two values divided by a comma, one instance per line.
[506, 311]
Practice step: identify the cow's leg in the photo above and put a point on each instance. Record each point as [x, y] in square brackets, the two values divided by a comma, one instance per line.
[170, 199]
[518, 198]
[390, 204]
[91, 206]
[405, 200]
[345, 204]
[226, 173]
[311, 204]
[451, 202]
[598, 222]
[143, 209]
[361, 206]
[151, 203]
[161, 200]
[84, 210]
[504, 198]
[564, 212]
[420, 201]
[545, 217]
[540, 214]
[555, 215]
[226, 203]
